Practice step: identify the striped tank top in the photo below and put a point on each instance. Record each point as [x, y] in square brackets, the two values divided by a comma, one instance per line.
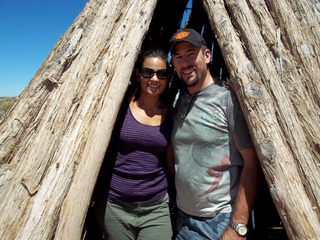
[138, 175]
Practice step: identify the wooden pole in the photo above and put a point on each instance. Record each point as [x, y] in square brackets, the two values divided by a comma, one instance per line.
[269, 48]
[54, 138]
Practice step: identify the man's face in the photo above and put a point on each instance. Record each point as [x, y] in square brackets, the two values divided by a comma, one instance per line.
[190, 63]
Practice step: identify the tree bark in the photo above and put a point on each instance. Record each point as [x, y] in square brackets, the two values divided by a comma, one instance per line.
[54, 138]
[270, 48]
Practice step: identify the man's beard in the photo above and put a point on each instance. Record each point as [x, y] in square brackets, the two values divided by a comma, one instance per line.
[190, 83]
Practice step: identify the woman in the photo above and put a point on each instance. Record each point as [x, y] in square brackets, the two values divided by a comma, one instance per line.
[137, 199]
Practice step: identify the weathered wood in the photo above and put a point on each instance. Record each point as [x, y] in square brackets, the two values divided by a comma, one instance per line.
[52, 151]
[271, 52]
[53, 140]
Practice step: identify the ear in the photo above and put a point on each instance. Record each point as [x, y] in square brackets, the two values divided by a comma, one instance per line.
[207, 55]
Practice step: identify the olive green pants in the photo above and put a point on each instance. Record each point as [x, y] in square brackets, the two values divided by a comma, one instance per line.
[126, 221]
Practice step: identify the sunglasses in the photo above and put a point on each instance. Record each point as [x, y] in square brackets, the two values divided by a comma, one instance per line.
[149, 73]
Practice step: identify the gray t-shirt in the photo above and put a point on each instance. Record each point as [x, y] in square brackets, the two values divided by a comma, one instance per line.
[208, 131]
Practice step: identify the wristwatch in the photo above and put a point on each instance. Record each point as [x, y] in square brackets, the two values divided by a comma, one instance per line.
[240, 228]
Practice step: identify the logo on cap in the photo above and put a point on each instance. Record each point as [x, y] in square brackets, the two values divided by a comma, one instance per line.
[181, 35]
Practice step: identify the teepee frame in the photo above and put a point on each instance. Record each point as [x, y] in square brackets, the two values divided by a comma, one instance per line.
[54, 138]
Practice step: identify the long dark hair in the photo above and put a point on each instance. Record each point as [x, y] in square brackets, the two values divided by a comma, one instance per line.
[134, 89]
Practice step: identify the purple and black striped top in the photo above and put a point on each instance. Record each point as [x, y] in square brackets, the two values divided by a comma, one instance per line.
[138, 175]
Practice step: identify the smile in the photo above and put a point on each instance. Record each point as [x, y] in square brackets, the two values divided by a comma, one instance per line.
[188, 71]
[153, 86]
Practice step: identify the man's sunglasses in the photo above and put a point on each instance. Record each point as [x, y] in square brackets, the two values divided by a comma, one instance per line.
[148, 73]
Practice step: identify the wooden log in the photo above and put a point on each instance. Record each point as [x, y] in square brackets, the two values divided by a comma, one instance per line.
[270, 62]
[54, 138]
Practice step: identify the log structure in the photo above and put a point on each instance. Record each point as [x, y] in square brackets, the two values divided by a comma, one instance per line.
[272, 52]
[54, 137]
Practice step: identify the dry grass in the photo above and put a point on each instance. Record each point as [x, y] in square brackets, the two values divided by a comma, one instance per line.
[5, 103]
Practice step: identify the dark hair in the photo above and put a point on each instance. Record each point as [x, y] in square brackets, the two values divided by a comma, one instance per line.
[153, 52]
[135, 88]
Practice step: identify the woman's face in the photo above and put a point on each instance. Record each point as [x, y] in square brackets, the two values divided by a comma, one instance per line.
[153, 76]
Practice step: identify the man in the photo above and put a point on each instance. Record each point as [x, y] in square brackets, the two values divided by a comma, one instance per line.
[216, 166]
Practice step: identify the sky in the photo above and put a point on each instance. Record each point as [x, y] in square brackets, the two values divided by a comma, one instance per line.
[29, 29]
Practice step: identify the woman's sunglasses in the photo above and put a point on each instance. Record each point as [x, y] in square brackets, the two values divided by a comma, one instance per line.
[148, 73]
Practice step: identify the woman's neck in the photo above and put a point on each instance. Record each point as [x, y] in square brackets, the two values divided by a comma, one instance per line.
[150, 103]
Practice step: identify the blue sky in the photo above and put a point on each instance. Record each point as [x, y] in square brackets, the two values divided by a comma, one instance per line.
[29, 29]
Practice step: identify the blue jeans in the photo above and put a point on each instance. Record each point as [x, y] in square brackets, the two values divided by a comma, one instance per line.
[198, 228]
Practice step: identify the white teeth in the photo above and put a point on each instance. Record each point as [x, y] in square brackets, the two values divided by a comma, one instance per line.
[154, 86]
[187, 72]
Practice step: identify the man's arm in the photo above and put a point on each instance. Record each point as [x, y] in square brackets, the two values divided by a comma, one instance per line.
[248, 189]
